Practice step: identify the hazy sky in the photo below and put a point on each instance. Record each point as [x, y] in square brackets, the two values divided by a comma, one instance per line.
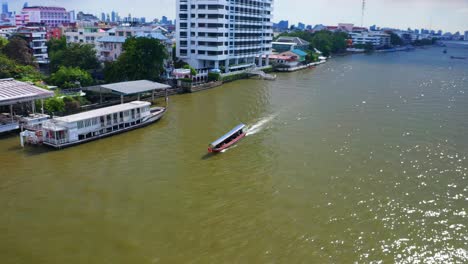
[448, 15]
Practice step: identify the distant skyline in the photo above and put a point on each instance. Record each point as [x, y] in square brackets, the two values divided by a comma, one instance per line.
[446, 15]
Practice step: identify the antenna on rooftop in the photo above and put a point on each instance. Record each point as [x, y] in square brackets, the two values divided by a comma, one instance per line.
[363, 11]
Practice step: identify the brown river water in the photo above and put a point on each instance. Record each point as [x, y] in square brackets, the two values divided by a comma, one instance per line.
[363, 159]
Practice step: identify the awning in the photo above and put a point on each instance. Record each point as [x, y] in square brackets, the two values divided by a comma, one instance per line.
[135, 87]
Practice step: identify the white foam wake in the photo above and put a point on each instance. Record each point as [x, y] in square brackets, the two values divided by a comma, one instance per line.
[260, 125]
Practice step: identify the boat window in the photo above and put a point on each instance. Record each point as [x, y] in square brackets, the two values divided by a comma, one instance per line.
[115, 117]
[126, 113]
[80, 124]
[87, 122]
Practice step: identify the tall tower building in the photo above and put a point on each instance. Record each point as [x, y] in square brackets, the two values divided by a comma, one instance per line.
[230, 34]
[5, 8]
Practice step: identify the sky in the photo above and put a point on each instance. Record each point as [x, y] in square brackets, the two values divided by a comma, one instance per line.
[447, 15]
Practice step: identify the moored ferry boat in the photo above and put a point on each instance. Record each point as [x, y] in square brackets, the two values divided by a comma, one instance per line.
[61, 132]
[228, 140]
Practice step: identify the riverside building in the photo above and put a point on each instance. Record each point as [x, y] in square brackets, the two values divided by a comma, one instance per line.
[229, 34]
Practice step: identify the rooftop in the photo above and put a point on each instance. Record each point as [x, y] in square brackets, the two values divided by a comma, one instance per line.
[14, 92]
[112, 39]
[299, 52]
[135, 87]
[296, 40]
[101, 112]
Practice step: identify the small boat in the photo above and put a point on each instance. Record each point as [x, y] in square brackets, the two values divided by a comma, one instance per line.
[228, 140]
[445, 51]
[457, 58]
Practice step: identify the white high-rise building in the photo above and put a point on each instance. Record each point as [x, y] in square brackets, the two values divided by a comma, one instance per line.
[230, 34]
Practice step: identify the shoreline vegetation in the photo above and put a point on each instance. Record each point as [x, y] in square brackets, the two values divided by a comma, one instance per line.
[73, 66]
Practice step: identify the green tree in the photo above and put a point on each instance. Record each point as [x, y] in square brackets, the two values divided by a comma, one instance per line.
[11, 69]
[322, 41]
[339, 42]
[55, 45]
[192, 70]
[71, 105]
[214, 76]
[112, 72]
[311, 57]
[18, 50]
[78, 55]
[55, 105]
[3, 43]
[395, 40]
[68, 77]
[178, 63]
[142, 58]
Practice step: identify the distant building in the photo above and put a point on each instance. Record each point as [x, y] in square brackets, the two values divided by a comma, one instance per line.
[113, 17]
[86, 17]
[103, 17]
[283, 25]
[85, 35]
[228, 34]
[48, 16]
[54, 33]
[283, 44]
[298, 54]
[346, 27]
[377, 39]
[110, 47]
[164, 20]
[319, 27]
[5, 8]
[301, 26]
[37, 38]
[466, 35]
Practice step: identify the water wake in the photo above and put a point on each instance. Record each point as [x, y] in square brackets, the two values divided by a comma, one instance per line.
[260, 125]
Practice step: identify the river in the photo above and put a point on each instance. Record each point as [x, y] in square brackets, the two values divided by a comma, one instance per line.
[362, 159]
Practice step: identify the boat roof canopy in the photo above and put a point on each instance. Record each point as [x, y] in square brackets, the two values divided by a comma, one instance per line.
[102, 112]
[230, 133]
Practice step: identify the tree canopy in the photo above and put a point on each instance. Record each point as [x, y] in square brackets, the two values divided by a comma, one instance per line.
[142, 58]
[3, 42]
[54, 45]
[18, 50]
[11, 69]
[54, 105]
[325, 41]
[395, 40]
[78, 55]
[68, 77]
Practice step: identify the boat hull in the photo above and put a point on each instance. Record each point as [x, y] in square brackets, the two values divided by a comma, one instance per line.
[228, 145]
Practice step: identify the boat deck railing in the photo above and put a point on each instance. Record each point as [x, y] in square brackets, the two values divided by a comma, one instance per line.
[56, 142]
